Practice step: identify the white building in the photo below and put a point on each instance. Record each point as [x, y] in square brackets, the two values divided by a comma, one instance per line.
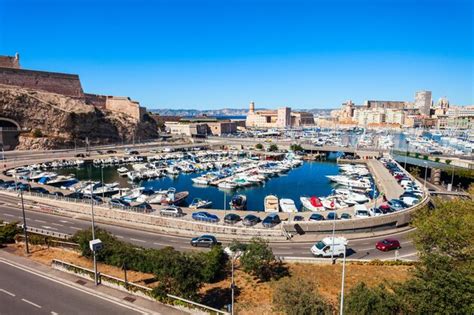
[423, 102]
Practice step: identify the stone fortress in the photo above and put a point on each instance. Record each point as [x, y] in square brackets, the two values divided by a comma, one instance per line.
[69, 85]
[280, 118]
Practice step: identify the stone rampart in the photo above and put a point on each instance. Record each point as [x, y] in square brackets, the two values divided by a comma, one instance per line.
[53, 82]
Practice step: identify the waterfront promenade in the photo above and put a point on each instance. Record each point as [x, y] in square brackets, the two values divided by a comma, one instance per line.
[384, 180]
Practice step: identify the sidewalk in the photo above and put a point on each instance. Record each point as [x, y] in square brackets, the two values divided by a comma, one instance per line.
[121, 297]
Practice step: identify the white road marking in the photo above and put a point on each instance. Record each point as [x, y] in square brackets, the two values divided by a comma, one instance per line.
[49, 227]
[75, 228]
[7, 292]
[137, 240]
[8, 215]
[119, 236]
[57, 224]
[54, 313]
[63, 221]
[40, 221]
[31, 303]
[84, 290]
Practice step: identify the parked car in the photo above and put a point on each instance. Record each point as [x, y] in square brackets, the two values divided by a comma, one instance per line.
[24, 187]
[39, 190]
[388, 244]
[362, 214]
[204, 241]
[205, 216]
[231, 218]
[118, 203]
[297, 218]
[75, 195]
[408, 200]
[332, 216]
[316, 217]
[57, 193]
[396, 204]
[97, 199]
[250, 220]
[111, 152]
[345, 216]
[375, 212]
[271, 220]
[82, 155]
[171, 211]
[144, 206]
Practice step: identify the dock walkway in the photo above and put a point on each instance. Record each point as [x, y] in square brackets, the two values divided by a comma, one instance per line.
[384, 180]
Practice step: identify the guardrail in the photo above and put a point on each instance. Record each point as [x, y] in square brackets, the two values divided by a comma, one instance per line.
[47, 232]
[123, 285]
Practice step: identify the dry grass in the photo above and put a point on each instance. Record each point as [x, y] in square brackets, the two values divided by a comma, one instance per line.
[254, 297]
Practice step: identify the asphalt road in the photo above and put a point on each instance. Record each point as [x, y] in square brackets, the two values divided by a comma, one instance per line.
[23, 291]
[358, 249]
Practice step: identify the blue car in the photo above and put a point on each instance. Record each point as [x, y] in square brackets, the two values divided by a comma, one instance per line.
[271, 220]
[332, 216]
[316, 217]
[396, 204]
[205, 216]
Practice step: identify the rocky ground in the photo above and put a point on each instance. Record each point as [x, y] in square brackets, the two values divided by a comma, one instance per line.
[50, 121]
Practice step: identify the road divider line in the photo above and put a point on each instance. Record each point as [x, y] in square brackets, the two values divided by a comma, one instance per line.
[75, 228]
[7, 292]
[40, 221]
[8, 215]
[137, 240]
[31, 303]
[57, 224]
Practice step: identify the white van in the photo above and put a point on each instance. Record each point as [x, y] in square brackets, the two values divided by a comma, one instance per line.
[361, 211]
[324, 248]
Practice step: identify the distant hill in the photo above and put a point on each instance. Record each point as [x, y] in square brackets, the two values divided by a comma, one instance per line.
[224, 112]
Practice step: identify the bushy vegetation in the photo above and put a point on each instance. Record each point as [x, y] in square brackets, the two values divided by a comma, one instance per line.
[37, 133]
[8, 232]
[177, 273]
[296, 148]
[296, 296]
[273, 148]
[365, 300]
[259, 146]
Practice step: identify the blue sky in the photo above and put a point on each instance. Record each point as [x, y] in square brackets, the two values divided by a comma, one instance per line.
[226, 53]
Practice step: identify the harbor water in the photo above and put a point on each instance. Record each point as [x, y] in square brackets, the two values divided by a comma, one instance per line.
[308, 179]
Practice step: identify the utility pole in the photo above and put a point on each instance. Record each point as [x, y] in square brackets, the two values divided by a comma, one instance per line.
[333, 232]
[452, 177]
[341, 311]
[232, 285]
[93, 236]
[426, 173]
[24, 222]
[102, 177]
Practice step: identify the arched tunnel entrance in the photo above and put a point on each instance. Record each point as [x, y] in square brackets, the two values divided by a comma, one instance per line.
[9, 134]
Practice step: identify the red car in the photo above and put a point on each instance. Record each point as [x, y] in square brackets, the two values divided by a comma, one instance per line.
[388, 244]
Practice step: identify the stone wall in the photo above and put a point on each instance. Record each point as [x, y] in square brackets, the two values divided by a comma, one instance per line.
[59, 83]
[10, 62]
[96, 100]
[125, 105]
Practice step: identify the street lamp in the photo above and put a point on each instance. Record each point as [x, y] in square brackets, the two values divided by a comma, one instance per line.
[452, 177]
[341, 311]
[91, 243]
[234, 257]
[24, 221]
[333, 232]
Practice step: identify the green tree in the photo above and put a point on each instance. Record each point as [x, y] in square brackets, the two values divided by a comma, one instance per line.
[446, 229]
[8, 232]
[437, 159]
[363, 300]
[273, 148]
[214, 264]
[448, 161]
[417, 155]
[425, 157]
[297, 296]
[415, 172]
[296, 147]
[258, 259]
[259, 146]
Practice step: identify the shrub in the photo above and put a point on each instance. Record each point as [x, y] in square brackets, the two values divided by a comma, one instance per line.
[296, 147]
[259, 146]
[425, 157]
[364, 300]
[214, 264]
[417, 155]
[8, 232]
[448, 161]
[437, 159]
[37, 133]
[273, 148]
[296, 296]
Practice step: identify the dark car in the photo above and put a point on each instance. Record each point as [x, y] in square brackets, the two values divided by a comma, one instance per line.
[111, 152]
[7, 183]
[205, 216]
[316, 217]
[332, 216]
[231, 218]
[298, 218]
[144, 206]
[75, 195]
[250, 220]
[80, 155]
[118, 203]
[345, 216]
[396, 204]
[39, 190]
[23, 187]
[97, 199]
[134, 152]
[204, 241]
[388, 244]
[271, 220]
[57, 193]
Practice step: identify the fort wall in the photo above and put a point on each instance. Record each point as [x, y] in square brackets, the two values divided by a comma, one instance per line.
[125, 105]
[59, 83]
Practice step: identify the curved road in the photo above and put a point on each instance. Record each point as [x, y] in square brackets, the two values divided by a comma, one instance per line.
[10, 211]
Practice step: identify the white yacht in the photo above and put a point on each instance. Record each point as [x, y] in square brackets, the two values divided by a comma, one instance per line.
[287, 205]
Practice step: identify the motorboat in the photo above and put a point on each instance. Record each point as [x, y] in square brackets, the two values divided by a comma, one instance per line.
[227, 185]
[61, 180]
[312, 203]
[287, 205]
[271, 203]
[168, 197]
[201, 180]
[199, 203]
[122, 171]
[349, 196]
[238, 202]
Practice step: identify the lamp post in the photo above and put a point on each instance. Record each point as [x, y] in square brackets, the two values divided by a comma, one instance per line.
[333, 232]
[93, 236]
[341, 311]
[24, 222]
[232, 285]
[102, 178]
[452, 177]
